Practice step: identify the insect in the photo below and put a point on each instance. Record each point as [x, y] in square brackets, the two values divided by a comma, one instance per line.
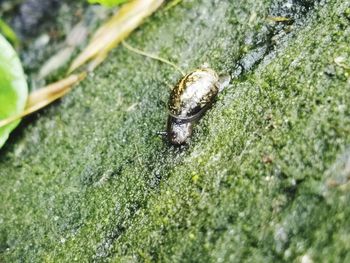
[189, 99]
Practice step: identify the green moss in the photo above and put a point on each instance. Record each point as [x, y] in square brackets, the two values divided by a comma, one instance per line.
[265, 177]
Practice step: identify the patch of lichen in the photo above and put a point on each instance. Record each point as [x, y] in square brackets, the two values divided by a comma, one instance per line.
[265, 177]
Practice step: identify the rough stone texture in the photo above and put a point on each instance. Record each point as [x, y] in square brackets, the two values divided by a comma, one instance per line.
[265, 178]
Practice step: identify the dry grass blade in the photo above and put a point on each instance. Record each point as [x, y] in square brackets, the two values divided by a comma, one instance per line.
[109, 35]
[127, 19]
[278, 19]
[143, 53]
[43, 97]
[172, 4]
[52, 89]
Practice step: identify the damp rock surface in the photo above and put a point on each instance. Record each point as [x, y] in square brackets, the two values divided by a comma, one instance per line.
[265, 177]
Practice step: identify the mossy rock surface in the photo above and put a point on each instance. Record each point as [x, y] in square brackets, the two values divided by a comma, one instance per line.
[265, 177]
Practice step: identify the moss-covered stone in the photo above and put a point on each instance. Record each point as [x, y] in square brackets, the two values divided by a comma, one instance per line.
[265, 177]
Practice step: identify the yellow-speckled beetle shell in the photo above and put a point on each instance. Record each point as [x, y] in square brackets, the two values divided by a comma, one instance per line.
[189, 100]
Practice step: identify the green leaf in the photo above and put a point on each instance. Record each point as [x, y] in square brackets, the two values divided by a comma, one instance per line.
[7, 31]
[13, 87]
[108, 3]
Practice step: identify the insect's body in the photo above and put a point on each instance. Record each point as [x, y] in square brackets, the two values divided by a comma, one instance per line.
[189, 99]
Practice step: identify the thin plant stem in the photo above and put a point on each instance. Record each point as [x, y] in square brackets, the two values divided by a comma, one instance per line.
[143, 53]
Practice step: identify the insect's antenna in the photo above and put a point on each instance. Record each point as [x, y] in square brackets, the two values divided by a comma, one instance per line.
[140, 52]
